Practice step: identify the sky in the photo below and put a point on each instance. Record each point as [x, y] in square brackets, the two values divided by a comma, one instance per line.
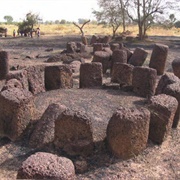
[70, 10]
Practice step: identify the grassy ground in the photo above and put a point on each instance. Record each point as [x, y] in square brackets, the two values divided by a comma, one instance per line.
[90, 29]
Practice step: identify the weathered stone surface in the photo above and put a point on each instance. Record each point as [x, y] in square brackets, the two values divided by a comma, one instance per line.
[104, 58]
[176, 67]
[114, 46]
[71, 47]
[12, 83]
[174, 90]
[75, 66]
[16, 111]
[43, 165]
[138, 57]
[57, 77]
[106, 39]
[127, 132]
[43, 132]
[128, 51]
[144, 81]
[165, 80]
[97, 47]
[119, 55]
[158, 58]
[20, 75]
[73, 133]
[122, 74]
[36, 79]
[108, 49]
[90, 75]
[162, 108]
[93, 40]
[4, 64]
[81, 166]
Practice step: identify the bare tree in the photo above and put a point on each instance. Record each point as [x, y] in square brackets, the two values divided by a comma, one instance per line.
[142, 11]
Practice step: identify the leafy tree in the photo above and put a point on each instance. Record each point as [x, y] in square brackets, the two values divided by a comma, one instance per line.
[8, 19]
[63, 21]
[110, 14]
[56, 21]
[177, 24]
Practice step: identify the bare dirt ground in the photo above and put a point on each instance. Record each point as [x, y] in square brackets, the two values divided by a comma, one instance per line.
[155, 163]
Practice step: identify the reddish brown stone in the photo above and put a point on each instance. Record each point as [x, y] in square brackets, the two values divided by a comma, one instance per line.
[43, 132]
[114, 46]
[162, 108]
[12, 83]
[71, 47]
[93, 40]
[16, 111]
[20, 75]
[36, 79]
[144, 81]
[174, 90]
[158, 58]
[165, 80]
[4, 64]
[97, 47]
[104, 58]
[90, 75]
[127, 132]
[176, 67]
[44, 165]
[106, 39]
[138, 57]
[122, 74]
[57, 77]
[119, 56]
[73, 133]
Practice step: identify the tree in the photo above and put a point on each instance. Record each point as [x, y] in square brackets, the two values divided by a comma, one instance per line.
[141, 11]
[8, 19]
[110, 14]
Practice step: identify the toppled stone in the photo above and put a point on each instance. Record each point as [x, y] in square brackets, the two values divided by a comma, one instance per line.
[43, 132]
[43, 165]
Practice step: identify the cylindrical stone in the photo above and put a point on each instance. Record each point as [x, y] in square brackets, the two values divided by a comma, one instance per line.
[158, 58]
[127, 132]
[176, 67]
[4, 64]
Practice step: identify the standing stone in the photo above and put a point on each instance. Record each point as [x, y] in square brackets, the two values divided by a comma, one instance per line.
[138, 57]
[90, 75]
[57, 77]
[104, 58]
[158, 58]
[114, 46]
[42, 165]
[36, 79]
[176, 67]
[43, 132]
[73, 133]
[122, 73]
[162, 108]
[144, 81]
[165, 80]
[4, 64]
[16, 111]
[93, 40]
[174, 90]
[97, 47]
[71, 47]
[20, 75]
[127, 132]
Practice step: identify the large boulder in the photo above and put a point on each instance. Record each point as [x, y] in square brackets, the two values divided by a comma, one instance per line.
[46, 166]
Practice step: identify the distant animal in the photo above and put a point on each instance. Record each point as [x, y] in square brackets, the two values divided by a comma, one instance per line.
[26, 32]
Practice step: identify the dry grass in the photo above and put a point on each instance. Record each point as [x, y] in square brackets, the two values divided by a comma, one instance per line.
[90, 29]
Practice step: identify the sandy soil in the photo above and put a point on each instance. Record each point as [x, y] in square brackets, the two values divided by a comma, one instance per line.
[156, 161]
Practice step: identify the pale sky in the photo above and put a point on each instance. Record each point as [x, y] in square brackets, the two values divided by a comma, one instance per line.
[70, 10]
